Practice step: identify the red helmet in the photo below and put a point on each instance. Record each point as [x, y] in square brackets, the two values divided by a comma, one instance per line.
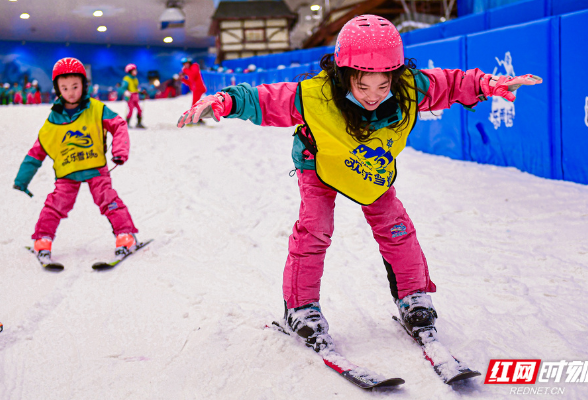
[130, 67]
[369, 43]
[68, 65]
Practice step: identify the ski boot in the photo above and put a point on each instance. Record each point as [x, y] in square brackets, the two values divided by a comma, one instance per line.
[139, 124]
[42, 249]
[126, 243]
[309, 323]
[418, 317]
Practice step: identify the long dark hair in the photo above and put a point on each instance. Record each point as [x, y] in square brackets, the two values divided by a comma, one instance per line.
[340, 81]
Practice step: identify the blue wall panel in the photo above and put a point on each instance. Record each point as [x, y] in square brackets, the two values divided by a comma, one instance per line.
[439, 132]
[426, 34]
[515, 134]
[36, 59]
[517, 13]
[567, 6]
[464, 25]
[574, 92]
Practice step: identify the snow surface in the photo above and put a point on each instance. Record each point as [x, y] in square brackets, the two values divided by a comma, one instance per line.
[185, 318]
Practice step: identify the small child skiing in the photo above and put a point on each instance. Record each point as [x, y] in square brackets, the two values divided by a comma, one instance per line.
[352, 121]
[74, 137]
[130, 86]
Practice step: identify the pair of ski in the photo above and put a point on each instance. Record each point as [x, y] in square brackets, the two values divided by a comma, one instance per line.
[120, 256]
[445, 365]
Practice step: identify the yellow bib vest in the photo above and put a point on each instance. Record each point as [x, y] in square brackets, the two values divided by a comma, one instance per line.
[76, 146]
[362, 171]
[133, 83]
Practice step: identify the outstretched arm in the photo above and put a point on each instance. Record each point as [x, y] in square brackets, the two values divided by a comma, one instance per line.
[450, 86]
[265, 105]
[28, 168]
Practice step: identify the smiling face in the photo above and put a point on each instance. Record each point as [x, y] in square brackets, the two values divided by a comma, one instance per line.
[71, 90]
[370, 89]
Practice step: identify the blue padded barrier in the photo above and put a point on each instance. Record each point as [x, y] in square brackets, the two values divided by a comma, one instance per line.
[462, 26]
[516, 13]
[567, 6]
[439, 132]
[520, 134]
[426, 34]
[574, 97]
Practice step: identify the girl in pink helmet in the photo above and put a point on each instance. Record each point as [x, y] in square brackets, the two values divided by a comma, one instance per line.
[352, 121]
[74, 136]
[130, 85]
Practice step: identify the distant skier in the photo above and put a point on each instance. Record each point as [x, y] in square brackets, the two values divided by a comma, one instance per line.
[74, 137]
[130, 86]
[192, 78]
[353, 120]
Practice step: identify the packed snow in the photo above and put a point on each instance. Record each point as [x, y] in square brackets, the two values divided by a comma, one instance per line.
[185, 318]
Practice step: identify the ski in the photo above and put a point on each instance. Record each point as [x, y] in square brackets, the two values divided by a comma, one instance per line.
[102, 265]
[52, 266]
[359, 376]
[449, 368]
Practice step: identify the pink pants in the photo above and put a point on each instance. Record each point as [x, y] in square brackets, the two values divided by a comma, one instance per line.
[61, 201]
[134, 103]
[392, 228]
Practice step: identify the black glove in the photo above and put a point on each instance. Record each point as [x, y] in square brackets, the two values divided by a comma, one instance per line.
[22, 190]
[118, 160]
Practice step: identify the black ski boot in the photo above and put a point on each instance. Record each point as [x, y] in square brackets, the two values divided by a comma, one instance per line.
[309, 323]
[418, 316]
[139, 124]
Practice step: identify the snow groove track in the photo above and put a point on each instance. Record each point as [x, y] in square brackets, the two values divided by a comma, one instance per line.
[184, 318]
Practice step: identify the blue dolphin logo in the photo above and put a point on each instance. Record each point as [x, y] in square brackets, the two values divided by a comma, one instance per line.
[77, 139]
[380, 158]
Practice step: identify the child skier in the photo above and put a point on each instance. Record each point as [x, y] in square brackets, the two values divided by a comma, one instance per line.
[353, 120]
[74, 137]
[192, 78]
[130, 85]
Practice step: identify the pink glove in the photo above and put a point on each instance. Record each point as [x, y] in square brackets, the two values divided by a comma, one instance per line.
[504, 86]
[213, 106]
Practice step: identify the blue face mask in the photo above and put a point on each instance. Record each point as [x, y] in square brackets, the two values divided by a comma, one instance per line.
[352, 98]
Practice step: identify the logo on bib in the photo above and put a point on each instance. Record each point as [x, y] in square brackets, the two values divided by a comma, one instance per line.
[77, 139]
[377, 159]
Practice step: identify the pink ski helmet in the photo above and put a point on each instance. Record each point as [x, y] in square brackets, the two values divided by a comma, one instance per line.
[130, 67]
[68, 65]
[369, 43]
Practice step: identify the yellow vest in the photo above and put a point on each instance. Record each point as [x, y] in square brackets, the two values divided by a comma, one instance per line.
[362, 171]
[76, 146]
[133, 83]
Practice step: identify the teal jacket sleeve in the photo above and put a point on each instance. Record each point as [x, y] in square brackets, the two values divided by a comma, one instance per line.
[26, 172]
[245, 103]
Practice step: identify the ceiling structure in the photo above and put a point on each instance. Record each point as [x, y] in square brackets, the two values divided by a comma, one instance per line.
[130, 22]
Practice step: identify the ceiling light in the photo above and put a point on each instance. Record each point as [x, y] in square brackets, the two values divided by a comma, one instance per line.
[24, 16]
[168, 39]
[11, 0]
[101, 28]
[172, 17]
[98, 13]
[315, 7]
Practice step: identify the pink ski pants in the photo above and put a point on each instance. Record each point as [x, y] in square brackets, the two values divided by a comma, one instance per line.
[134, 103]
[391, 226]
[61, 201]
